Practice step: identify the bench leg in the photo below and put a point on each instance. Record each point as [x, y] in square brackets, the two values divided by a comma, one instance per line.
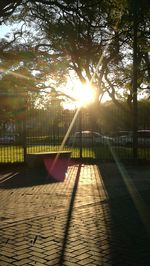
[56, 169]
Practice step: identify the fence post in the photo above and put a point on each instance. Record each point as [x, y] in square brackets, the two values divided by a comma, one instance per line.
[80, 129]
[135, 73]
[24, 131]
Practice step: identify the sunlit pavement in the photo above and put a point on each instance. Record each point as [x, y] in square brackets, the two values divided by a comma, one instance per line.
[98, 216]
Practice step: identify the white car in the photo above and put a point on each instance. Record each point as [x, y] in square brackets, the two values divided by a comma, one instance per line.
[127, 140]
[89, 138]
[8, 139]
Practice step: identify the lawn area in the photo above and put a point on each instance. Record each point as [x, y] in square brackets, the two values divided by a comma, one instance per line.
[11, 154]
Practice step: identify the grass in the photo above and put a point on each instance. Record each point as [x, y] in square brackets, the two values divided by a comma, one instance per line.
[11, 154]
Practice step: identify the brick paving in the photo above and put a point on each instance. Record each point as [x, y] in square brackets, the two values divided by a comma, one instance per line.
[97, 216]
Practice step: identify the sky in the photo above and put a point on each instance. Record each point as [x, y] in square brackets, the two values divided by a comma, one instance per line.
[5, 29]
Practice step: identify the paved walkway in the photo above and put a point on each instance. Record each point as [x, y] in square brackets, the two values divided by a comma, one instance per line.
[98, 216]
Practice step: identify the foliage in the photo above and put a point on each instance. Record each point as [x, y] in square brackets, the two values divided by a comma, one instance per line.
[110, 119]
[74, 36]
[85, 31]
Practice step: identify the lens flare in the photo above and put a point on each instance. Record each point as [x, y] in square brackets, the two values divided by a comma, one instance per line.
[84, 94]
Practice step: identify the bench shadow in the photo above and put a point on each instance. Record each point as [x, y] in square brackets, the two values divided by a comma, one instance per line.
[26, 177]
[16, 176]
[129, 220]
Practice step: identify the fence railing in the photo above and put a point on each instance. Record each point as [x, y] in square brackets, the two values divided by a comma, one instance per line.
[93, 136]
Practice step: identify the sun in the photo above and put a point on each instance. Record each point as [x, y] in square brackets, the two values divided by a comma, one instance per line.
[78, 94]
[83, 93]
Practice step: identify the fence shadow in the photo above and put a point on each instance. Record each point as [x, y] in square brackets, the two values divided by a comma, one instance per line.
[130, 220]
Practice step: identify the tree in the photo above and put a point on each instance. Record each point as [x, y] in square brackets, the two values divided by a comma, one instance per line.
[7, 8]
[78, 33]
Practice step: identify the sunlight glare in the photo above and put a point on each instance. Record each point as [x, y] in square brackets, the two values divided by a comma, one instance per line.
[84, 93]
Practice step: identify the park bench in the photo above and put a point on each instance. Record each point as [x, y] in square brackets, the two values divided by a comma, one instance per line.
[53, 164]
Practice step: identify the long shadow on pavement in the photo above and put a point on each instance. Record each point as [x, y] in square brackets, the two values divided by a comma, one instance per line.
[129, 212]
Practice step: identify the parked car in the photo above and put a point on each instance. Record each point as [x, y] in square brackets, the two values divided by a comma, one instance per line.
[127, 140]
[89, 138]
[9, 139]
[121, 133]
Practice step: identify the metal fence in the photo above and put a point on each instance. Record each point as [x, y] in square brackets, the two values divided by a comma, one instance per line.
[94, 134]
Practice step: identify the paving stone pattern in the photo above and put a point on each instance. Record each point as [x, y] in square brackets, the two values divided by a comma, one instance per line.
[89, 219]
